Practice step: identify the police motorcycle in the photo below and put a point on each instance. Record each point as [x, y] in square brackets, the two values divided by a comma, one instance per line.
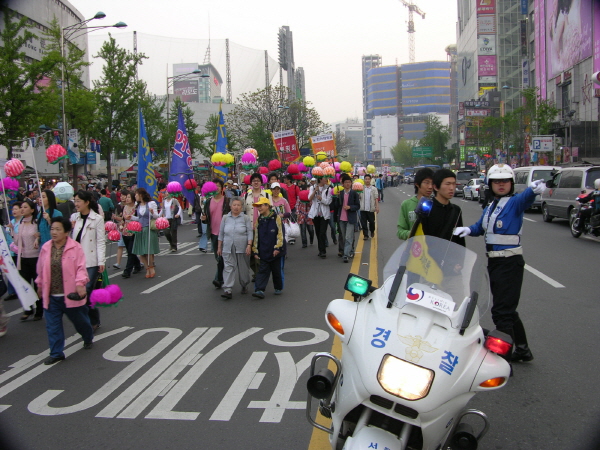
[414, 354]
[590, 225]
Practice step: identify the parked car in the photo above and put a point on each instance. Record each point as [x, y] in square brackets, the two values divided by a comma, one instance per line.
[566, 184]
[462, 178]
[473, 188]
[525, 175]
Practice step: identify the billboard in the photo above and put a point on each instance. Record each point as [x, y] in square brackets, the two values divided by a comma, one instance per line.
[187, 90]
[324, 143]
[568, 34]
[486, 24]
[486, 7]
[486, 44]
[487, 65]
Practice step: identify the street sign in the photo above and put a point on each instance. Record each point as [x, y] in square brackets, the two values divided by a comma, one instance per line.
[422, 152]
[542, 143]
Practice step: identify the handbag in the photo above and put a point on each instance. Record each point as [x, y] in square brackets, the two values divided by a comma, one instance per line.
[153, 225]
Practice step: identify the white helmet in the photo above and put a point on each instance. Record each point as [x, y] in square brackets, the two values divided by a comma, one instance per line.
[597, 184]
[500, 172]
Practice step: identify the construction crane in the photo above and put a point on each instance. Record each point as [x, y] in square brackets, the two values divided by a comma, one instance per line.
[411, 27]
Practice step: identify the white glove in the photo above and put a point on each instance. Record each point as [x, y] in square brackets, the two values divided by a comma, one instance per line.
[538, 186]
[462, 231]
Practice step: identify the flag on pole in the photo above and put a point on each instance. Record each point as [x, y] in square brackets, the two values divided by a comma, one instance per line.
[146, 177]
[26, 293]
[221, 144]
[181, 159]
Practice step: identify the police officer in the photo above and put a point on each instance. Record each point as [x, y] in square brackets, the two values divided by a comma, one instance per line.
[501, 224]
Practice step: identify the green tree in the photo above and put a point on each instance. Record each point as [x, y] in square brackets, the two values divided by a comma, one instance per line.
[19, 101]
[260, 113]
[402, 152]
[490, 134]
[436, 135]
[118, 95]
[541, 112]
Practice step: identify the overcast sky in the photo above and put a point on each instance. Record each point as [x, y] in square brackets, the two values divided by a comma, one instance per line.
[329, 36]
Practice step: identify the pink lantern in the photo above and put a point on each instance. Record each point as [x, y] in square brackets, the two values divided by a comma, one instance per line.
[14, 168]
[336, 178]
[114, 235]
[247, 180]
[362, 171]
[297, 176]
[110, 226]
[248, 158]
[324, 164]
[263, 170]
[358, 186]
[115, 293]
[317, 172]
[293, 169]
[329, 172]
[134, 227]
[190, 184]
[209, 188]
[302, 167]
[173, 187]
[251, 151]
[336, 166]
[100, 297]
[10, 184]
[162, 223]
[274, 165]
[264, 178]
[55, 153]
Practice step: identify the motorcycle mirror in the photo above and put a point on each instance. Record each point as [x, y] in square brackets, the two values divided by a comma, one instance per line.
[320, 385]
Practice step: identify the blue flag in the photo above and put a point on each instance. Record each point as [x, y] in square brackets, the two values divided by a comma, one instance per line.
[146, 177]
[221, 144]
[181, 159]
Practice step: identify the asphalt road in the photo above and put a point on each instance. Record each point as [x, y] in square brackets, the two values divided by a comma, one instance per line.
[176, 366]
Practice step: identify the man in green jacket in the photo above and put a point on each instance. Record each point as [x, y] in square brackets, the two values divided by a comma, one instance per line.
[423, 188]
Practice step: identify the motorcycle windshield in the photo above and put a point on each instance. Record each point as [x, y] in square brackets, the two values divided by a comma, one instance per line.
[439, 275]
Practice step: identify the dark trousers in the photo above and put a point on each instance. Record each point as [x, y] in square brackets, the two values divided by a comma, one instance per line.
[29, 273]
[171, 233]
[304, 227]
[506, 278]
[93, 313]
[321, 232]
[380, 192]
[199, 222]
[133, 262]
[265, 269]
[54, 324]
[214, 240]
[367, 217]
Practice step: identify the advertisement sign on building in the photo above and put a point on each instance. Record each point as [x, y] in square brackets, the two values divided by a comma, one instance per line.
[487, 65]
[187, 90]
[525, 72]
[486, 7]
[486, 44]
[568, 36]
[324, 143]
[486, 24]
[478, 112]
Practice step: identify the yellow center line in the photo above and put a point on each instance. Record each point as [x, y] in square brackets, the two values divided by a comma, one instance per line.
[320, 439]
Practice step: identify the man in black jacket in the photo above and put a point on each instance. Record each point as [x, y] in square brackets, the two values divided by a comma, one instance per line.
[348, 217]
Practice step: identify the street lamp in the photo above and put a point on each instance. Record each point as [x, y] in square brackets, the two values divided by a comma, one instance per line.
[70, 32]
[170, 82]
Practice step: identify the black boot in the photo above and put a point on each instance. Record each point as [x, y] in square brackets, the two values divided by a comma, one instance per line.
[521, 350]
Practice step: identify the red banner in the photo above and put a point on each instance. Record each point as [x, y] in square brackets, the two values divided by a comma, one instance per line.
[286, 145]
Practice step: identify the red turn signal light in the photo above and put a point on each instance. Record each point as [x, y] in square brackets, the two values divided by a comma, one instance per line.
[498, 345]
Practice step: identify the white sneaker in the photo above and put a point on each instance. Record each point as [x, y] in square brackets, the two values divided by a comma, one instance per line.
[116, 266]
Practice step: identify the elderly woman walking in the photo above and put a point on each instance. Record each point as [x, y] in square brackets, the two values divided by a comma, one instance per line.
[62, 278]
[235, 246]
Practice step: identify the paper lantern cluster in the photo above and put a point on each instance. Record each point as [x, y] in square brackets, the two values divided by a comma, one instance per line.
[114, 235]
[302, 167]
[218, 159]
[358, 186]
[321, 156]
[303, 196]
[173, 187]
[10, 184]
[14, 168]
[109, 296]
[263, 170]
[134, 227]
[249, 161]
[309, 161]
[293, 169]
[274, 165]
[162, 223]
[209, 189]
[55, 153]
[110, 226]
[190, 184]
[63, 192]
[317, 172]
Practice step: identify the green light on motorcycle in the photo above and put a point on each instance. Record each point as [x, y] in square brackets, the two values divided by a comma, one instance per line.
[357, 285]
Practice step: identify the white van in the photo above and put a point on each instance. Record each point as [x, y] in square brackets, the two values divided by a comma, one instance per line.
[525, 175]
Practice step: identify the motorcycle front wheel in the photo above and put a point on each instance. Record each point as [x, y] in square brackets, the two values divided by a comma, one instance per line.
[575, 232]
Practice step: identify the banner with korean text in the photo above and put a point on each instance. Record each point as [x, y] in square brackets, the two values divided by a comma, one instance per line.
[324, 143]
[286, 145]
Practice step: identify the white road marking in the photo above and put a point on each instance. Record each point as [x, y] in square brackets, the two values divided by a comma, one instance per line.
[15, 312]
[543, 277]
[530, 220]
[170, 280]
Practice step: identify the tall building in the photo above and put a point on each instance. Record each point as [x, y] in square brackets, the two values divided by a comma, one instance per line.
[205, 87]
[353, 130]
[300, 84]
[368, 62]
[286, 58]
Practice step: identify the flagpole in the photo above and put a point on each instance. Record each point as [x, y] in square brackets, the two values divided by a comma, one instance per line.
[36, 174]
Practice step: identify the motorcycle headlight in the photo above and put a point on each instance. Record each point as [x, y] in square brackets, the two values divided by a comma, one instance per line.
[404, 379]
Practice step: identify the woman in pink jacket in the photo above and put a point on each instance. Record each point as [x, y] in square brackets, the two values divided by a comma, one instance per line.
[61, 271]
